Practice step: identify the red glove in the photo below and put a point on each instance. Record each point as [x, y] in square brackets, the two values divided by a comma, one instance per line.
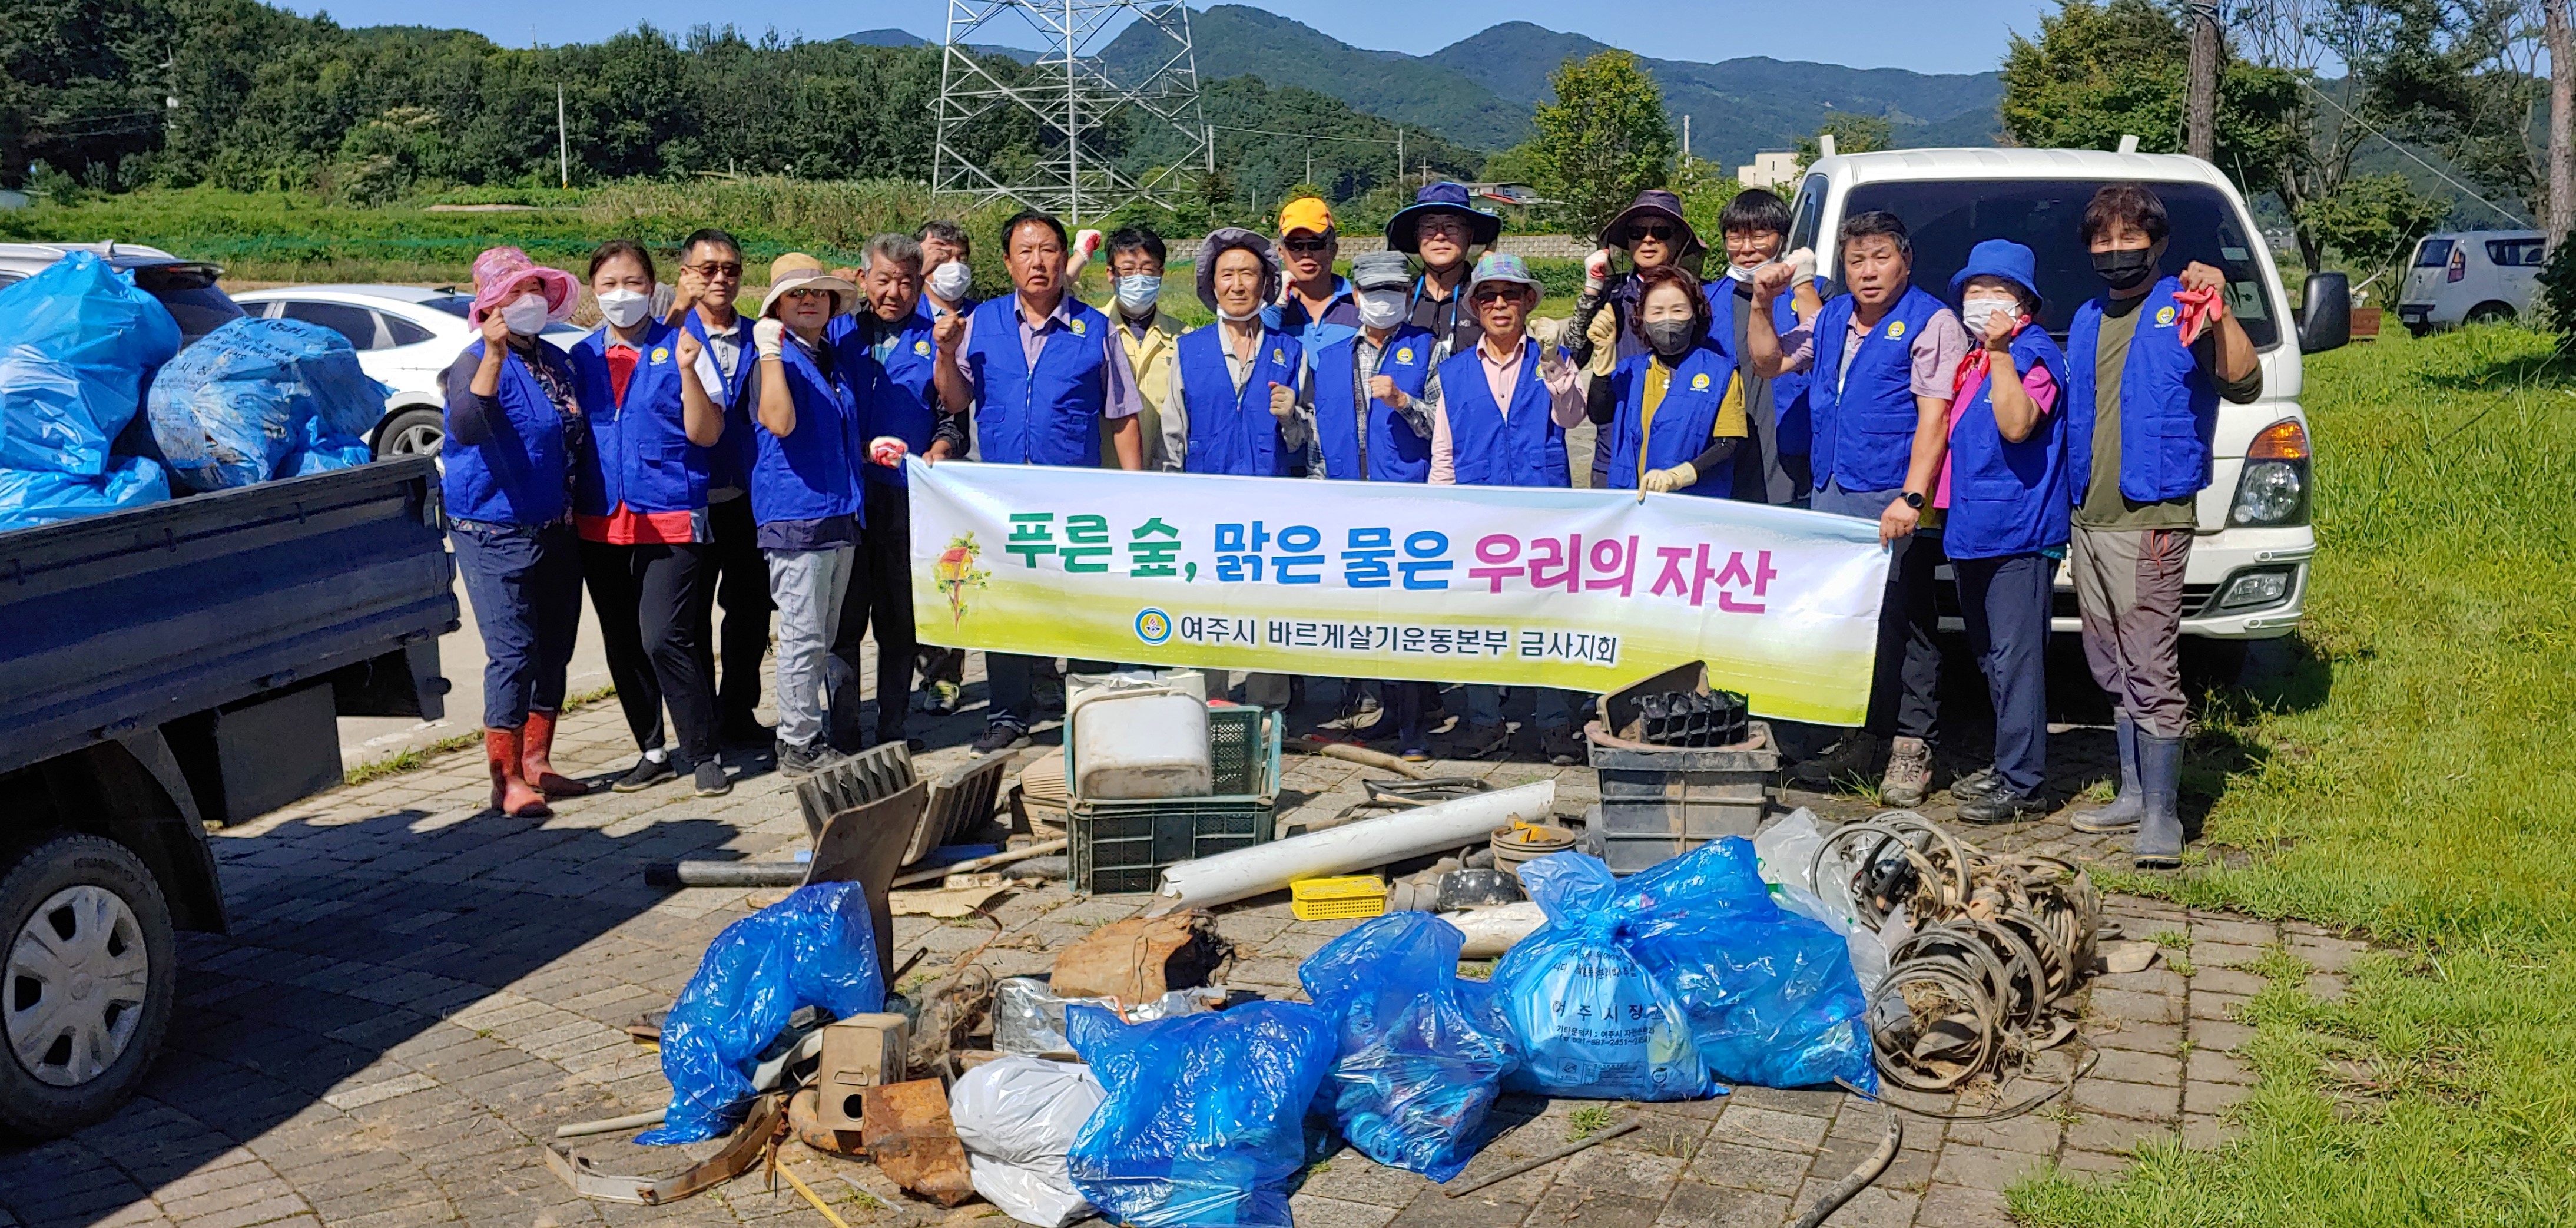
[2200, 309]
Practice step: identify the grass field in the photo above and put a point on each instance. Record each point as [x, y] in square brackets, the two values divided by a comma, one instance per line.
[2411, 780]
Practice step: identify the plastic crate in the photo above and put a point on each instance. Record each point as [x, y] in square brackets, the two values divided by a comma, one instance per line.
[1122, 846]
[1660, 803]
[1331, 899]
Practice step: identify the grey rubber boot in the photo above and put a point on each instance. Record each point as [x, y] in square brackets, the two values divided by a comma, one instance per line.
[2159, 843]
[2128, 807]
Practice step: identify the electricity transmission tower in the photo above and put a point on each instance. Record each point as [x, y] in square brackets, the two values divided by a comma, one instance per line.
[1078, 102]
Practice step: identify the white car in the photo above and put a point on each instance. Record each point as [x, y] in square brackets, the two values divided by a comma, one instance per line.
[2471, 277]
[2248, 574]
[406, 337]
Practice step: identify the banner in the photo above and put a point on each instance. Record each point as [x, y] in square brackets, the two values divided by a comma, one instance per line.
[1582, 589]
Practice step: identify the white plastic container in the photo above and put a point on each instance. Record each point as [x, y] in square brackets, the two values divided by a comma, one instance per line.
[1131, 742]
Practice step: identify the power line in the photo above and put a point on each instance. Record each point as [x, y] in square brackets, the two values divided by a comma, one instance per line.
[1308, 136]
[2400, 147]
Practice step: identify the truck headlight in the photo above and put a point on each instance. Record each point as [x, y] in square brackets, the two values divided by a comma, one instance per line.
[2273, 490]
[2250, 590]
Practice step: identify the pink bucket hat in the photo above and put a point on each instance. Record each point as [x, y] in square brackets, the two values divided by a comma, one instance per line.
[498, 272]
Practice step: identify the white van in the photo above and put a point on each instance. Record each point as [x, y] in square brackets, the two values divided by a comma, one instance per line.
[2470, 277]
[2249, 561]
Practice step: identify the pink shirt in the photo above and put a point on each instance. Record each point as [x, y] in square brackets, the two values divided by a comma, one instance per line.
[1936, 350]
[2037, 382]
[1502, 377]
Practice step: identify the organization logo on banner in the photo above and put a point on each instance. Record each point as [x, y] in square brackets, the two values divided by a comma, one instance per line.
[1153, 626]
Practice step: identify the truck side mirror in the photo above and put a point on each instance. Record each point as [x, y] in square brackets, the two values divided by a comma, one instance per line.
[2326, 322]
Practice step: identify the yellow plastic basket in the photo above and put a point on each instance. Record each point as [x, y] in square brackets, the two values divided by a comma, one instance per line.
[1329, 899]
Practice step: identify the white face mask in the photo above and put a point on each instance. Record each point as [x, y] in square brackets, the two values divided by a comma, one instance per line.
[1381, 308]
[1737, 272]
[525, 314]
[950, 281]
[1223, 314]
[1976, 310]
[1137, 292]
[624, 308]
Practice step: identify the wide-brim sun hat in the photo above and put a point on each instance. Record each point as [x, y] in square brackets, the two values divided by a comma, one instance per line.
[1225, 239]
[1506, 267]
[2001, 258]
[798, 271]
[498, 273]
[1653, 202]
[1403, 231]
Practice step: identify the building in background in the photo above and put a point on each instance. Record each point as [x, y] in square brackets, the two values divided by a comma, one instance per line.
[1769, 169]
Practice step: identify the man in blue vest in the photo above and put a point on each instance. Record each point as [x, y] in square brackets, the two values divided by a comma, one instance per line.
[1231, 402]
[893, 330]
[1773, 468]
[2147, 364]
[1879, 362]
[1036, 372]
[1444, 231]
[710, 278]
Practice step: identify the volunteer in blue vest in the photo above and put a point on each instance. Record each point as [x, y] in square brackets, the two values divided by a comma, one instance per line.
[1443, 230]
[2003, 492]
[889, 336]
[1374, 393]
[737, 578]
[2147, 364]
[1879, 361]
[1673, 416]
[640, 507]
[1035, 371]
[805, 398]
[1145, 331]
[1603, 331]
[1772, 466]
[515, 435]
[1504, 408]
[1236, 385]
[946, 285]
[1315, 305]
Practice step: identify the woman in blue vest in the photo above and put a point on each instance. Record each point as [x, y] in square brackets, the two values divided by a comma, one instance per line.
[2147, 364]
[515, 433]
[2004, 491]
[1879, 362]
[1236, 384]
[1673, 415]
[640, 508]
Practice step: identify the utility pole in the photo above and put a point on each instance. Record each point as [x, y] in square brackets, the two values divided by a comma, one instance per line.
[2562, 122]
[2200, 116]
[1310, 164]
[1399, 151]
[563, 141]
[1686, 155]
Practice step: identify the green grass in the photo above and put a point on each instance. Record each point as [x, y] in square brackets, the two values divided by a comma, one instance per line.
[1587, 1121]
[2405, 777]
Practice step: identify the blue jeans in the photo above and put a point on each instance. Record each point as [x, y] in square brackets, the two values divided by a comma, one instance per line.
[2005, 602]
[525, 585]
[1907, 668]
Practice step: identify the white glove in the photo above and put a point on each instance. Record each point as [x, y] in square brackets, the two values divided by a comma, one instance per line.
[1596, 271]
[1659, 481]
[1802, 265]
[770, 337]
[1283, 400]
[887, 450]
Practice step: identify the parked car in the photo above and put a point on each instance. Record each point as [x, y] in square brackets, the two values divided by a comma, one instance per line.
[405, 337]
[2470, 277]
[186, 287]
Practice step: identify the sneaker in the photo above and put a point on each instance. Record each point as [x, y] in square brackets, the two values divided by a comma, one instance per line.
[1980, 783]
[1854, 754]
[1478, 741]
[1414, 754]
[795, 762]
[1001, 736]
[939, 698]
[710, 780]
[1909, 773]
[1563, 746]
[648, 772]
[2004, 805]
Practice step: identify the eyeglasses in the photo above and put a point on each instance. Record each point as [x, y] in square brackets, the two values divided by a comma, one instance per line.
[1305, 245]
[713, 270]
[1660, 232]
[1442, 227]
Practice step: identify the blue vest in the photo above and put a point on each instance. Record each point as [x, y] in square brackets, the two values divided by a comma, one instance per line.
[812, 473]
[1683, 421]
[1050, 415]
[640, 452]
[517, 476]
[2008, 498]
[729, 462]
[1340, 319]
[2168, 407]
[1864, 428]
[1232, 431]
[1488, 448]
[1794, 435]
[903, 403]
[1394, 452]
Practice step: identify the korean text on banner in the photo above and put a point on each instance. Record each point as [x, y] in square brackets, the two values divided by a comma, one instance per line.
[1582, 589]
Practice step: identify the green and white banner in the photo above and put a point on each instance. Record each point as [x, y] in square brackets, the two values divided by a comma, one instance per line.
[1581, 589]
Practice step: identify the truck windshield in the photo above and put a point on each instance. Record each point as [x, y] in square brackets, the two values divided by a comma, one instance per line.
[1946, 218]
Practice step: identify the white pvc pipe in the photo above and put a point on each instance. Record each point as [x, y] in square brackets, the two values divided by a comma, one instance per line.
[1353, 846]
[1492, 931]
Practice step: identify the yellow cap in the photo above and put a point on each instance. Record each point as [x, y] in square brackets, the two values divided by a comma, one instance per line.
[1305, 213]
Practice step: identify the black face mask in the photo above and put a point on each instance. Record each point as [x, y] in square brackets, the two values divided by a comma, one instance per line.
[1669, 338]
[2124, 269]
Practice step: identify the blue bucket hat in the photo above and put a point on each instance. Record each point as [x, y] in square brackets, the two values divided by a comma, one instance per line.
[1999, 258]
[1441, 197]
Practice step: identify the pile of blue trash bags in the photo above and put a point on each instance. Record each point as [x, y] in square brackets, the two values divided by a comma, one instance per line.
[1669, 985]
[82, 350]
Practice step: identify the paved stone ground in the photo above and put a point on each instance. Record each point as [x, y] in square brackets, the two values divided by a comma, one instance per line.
[415, 992]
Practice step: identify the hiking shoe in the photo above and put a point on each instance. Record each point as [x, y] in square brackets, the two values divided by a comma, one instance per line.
[1563, 746]
[1909, 773]
[938, 698]
[2004, 805]
[1983, 782]
[648, 772]
[1001, 736]
[1478, 741]
[710, 779]
[1854, 754]
[1414, 754]
[796, 762]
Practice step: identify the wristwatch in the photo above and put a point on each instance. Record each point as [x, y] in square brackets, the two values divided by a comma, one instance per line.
[1913, 500]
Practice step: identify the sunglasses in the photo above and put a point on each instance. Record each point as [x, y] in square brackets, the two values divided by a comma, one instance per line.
[1496, 294]
[804, 294]
[713, 270]
[1660, 232]
[1305, 245]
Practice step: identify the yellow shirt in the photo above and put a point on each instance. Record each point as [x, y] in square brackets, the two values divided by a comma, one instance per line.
[1150, 357]
[1731, 423]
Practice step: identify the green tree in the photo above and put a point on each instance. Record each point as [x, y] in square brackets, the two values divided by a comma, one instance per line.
[80, 87]
[1704, 194]
[1603, 140]
[1852, 134]
[2372, 221]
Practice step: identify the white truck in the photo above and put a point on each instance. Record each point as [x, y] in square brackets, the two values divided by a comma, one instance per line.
[2249, 560]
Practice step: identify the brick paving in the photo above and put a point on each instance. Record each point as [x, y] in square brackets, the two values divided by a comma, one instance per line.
[415, 992]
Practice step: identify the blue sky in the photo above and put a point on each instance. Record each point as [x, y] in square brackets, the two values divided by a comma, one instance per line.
[1926, 37]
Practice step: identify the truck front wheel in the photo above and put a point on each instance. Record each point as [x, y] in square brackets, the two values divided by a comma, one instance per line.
[86, 976]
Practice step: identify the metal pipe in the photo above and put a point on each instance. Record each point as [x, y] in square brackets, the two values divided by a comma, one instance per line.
[610, 1125]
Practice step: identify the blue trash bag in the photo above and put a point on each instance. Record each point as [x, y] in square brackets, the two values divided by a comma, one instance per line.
[1423, 1053]
[262, 399]
[30, 497]
[1205, 1118]
[817, 947]
[76, 341]
[1591, 1020]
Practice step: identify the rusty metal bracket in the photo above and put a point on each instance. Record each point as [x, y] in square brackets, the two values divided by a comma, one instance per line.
[752, 1142]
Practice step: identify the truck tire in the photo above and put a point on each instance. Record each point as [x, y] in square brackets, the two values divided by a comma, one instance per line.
[87, 970]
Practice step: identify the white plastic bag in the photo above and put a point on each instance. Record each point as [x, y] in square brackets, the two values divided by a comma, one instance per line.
[1018, 1116]
[1785, 852]
[1868, 947]
[1028, 1018]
